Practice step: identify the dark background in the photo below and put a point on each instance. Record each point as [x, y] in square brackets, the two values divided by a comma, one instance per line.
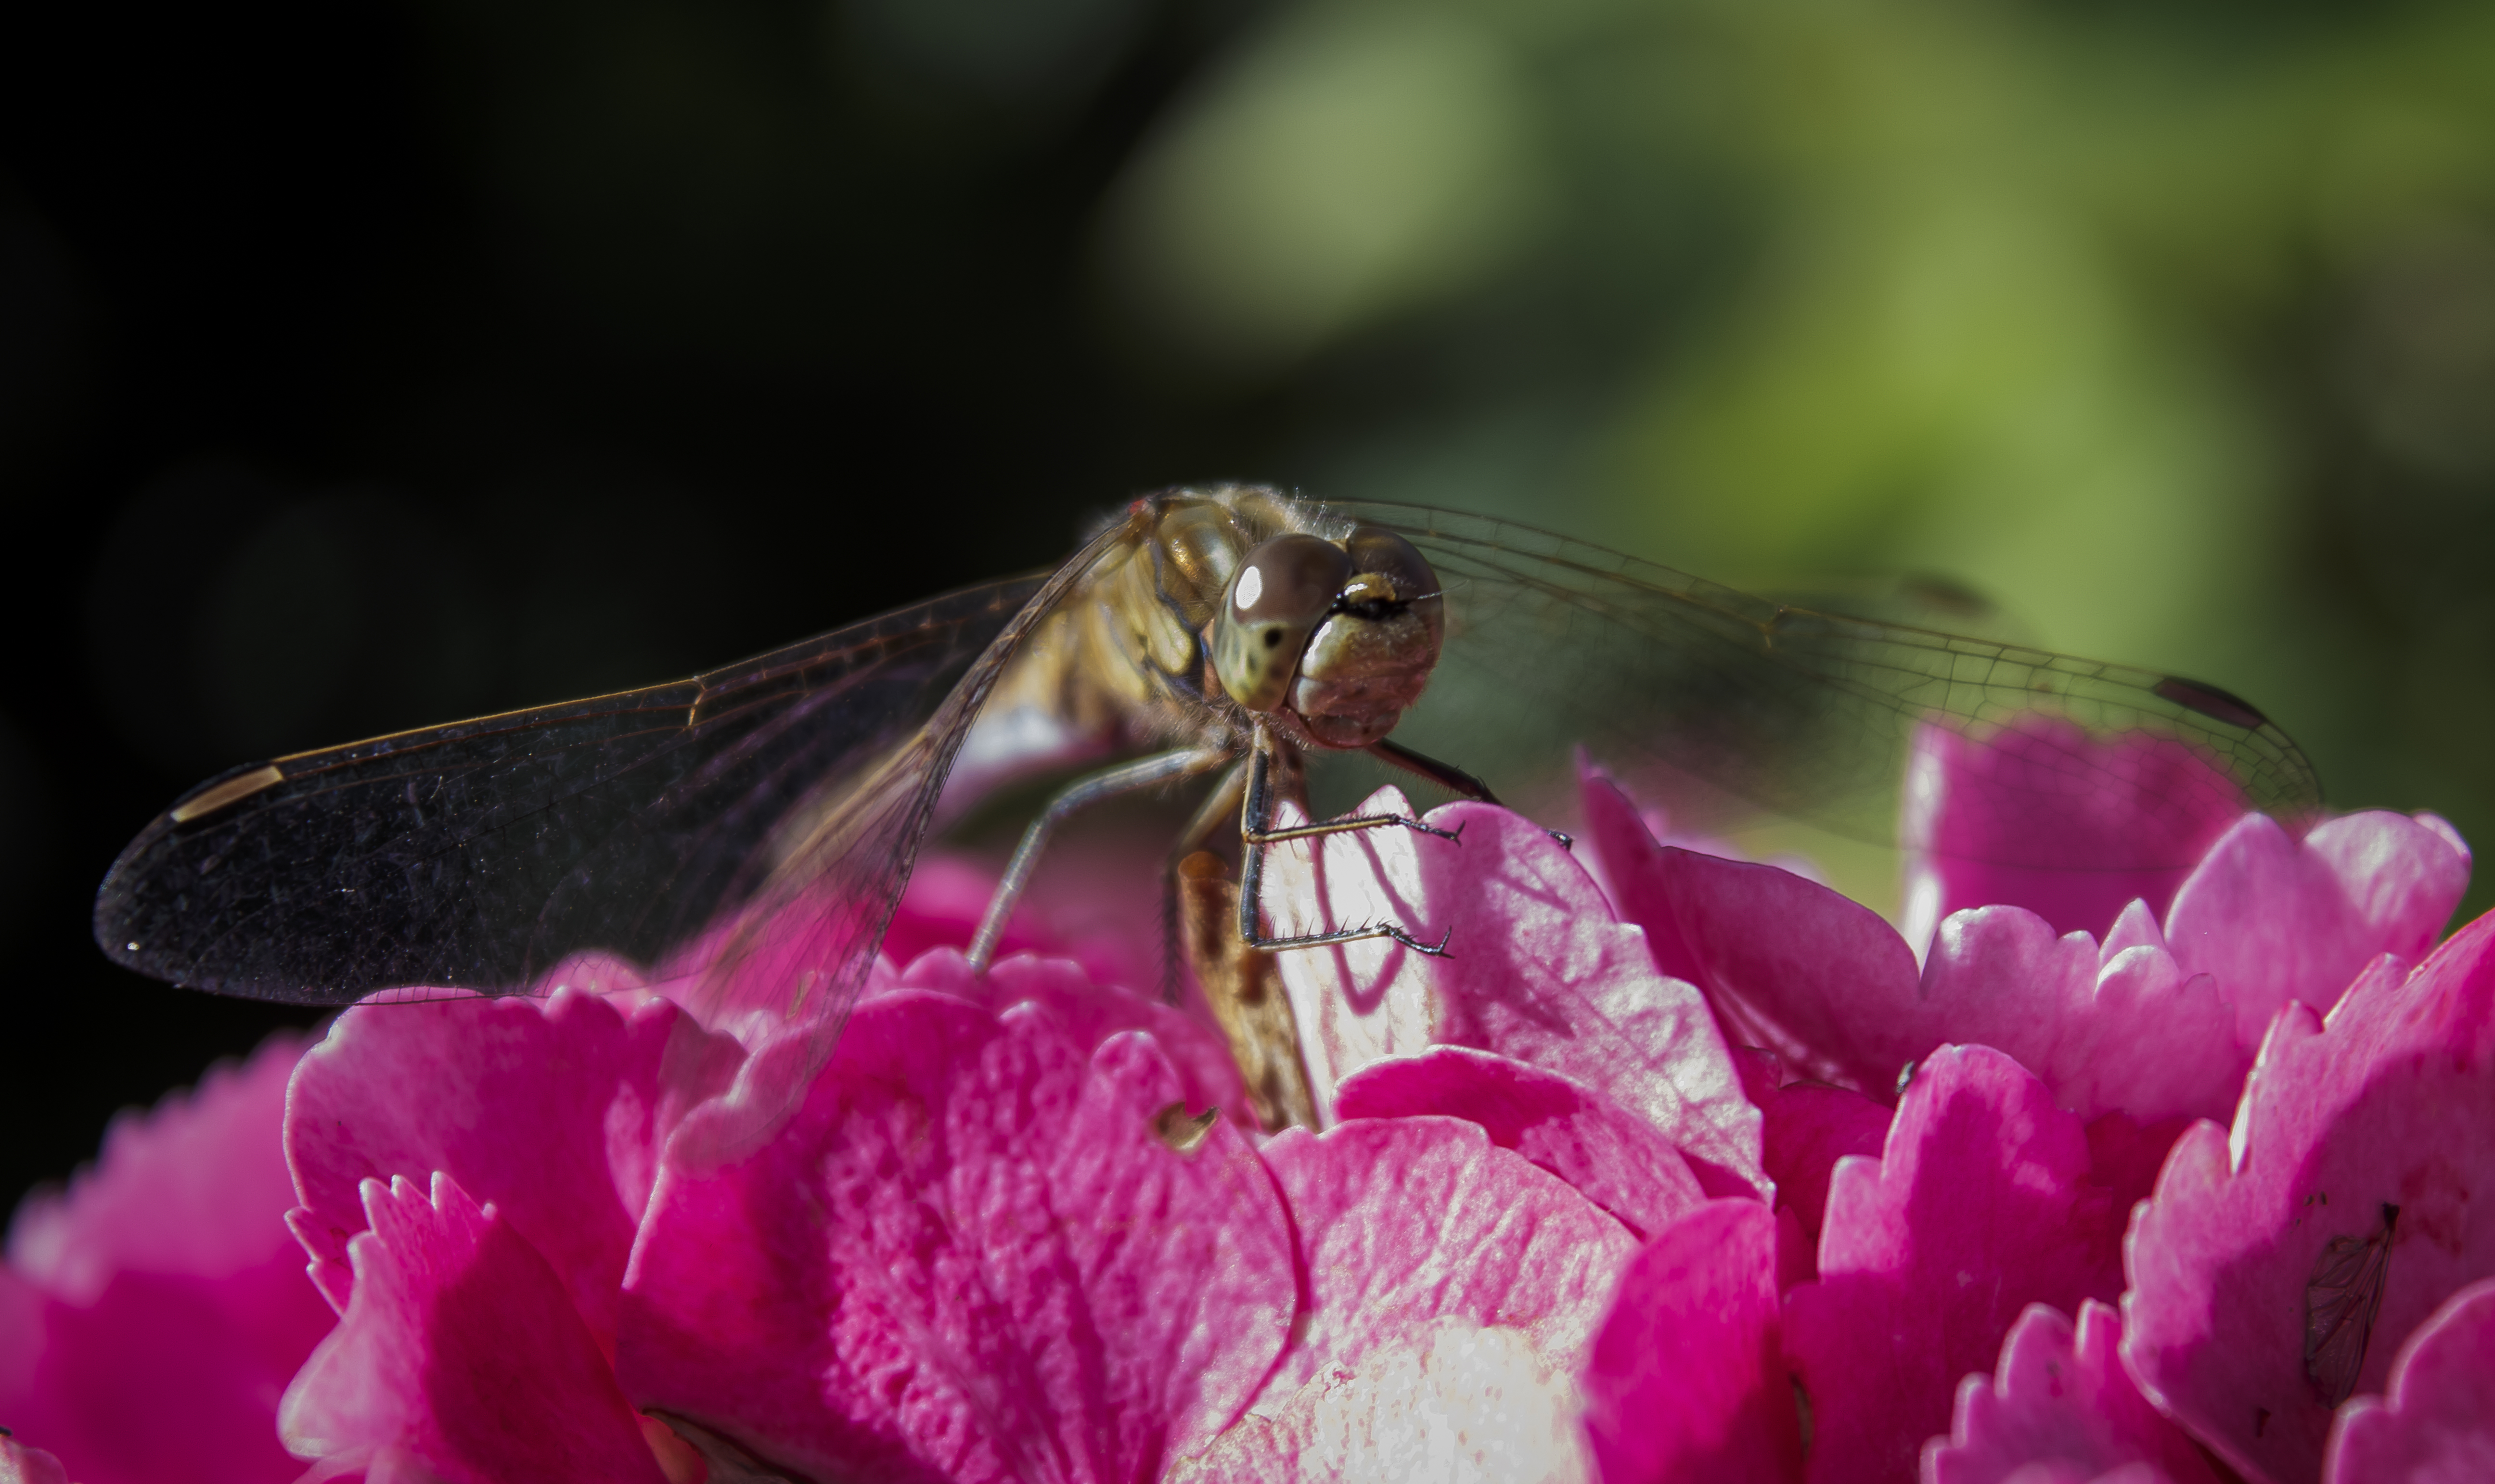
[313, 430]
[368, 365]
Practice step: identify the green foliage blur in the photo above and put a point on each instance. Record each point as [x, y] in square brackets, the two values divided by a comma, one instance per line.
[2170, 329]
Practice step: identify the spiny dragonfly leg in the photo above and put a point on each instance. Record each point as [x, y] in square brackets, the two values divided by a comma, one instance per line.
[1256, 831]
[1445, 775]
[1075, 797]
[1449, 776]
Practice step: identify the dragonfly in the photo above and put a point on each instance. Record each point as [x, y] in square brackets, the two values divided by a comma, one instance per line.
[770, 812]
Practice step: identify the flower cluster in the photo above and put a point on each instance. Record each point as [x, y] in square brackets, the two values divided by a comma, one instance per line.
[1677, 1166]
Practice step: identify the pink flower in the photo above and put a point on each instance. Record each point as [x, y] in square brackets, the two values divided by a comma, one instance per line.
[1978, 1205]
[2153, 1023]
[996, 1242]
[1626, 1187]
[152, 1315]
[2061, 1399]
[2282, 1263]
[1545, 976]
[2247, 1298]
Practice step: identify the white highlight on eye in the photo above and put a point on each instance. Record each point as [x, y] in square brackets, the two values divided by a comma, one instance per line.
[1251, 586]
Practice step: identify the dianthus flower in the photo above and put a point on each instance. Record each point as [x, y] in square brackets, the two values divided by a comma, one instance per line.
[1677, 1166]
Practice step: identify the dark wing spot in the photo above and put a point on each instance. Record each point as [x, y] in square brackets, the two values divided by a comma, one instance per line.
[2211, 701]
[1272, 638]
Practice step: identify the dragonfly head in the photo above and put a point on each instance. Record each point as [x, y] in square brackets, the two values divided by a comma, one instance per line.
[1340, 638]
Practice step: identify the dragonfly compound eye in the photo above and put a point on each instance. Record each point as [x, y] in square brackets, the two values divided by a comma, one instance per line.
[1384, 554]
[1280, 592]
[1369, 659]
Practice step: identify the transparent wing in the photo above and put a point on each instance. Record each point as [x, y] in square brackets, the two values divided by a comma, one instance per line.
[1717, 702]
[2341, 1299]
[477, 855]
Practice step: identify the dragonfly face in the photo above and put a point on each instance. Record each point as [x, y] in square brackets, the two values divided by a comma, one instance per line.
[1334, 640]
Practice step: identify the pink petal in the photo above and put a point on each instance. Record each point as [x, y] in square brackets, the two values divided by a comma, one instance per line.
[1824, 982]
[167, 1306]
[1611, 1156]
[1452, 1402]
[1785, 963]
[551, 1110]
[1796, 1253]
[941, 909]
[462, 1349]
[1979, 1206]
[2437, 1422]
[165, 1371]
[2400, 886]
[196, 1187]
[1810, 1125]
[1403, 1220]
[1761, 1072]
[2275, 919]
[2386, 1103]
[2042, 815]
[2129, 1032]
[21, 1464]
[2125, 1155]
[1686, 1379]
[1097, 903]
[2072, 1474]
[1092, 1012]
[2059, 1400]
[768, 978]
[1536, 970]
[969, 1251]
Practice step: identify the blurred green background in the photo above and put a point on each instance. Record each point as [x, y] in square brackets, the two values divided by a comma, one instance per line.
[2172, 328]
[380, 364]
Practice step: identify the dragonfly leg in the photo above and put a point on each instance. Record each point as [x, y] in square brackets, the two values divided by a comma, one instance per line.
[1257, 825]
[1449, 776]
[1256, 831]
[1445, 775]
[1074, 798]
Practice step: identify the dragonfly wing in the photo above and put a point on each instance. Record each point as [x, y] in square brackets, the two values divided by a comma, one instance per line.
[2341, 1299]
[1553, 643]
[477, 855]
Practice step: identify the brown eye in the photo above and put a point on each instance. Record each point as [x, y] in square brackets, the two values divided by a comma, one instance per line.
[1392, 557]
[1289, 578]
[1279, 594]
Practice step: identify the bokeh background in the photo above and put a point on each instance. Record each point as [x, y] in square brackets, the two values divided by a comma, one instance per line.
[363, 366]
